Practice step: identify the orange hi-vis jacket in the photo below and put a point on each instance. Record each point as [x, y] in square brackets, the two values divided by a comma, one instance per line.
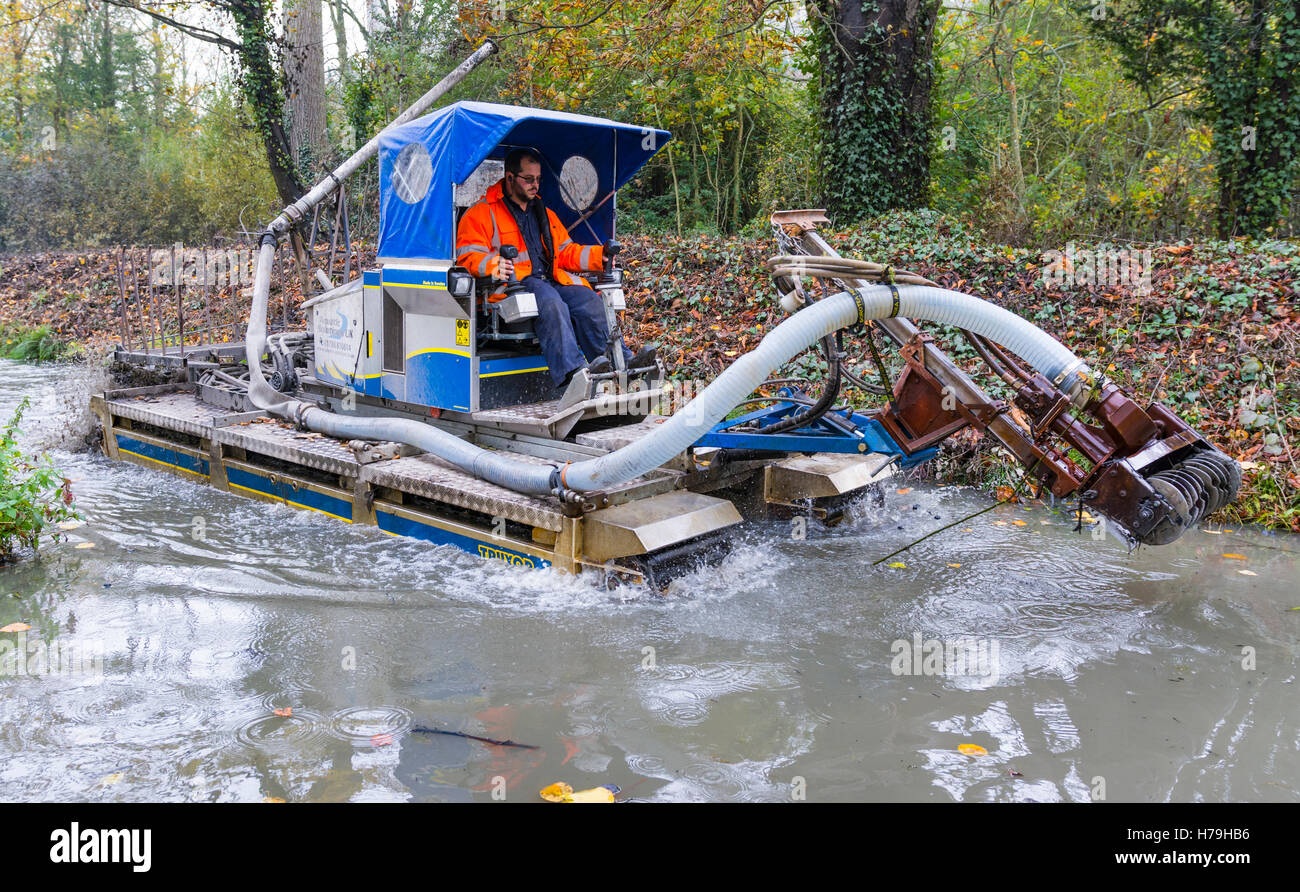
[488, 225]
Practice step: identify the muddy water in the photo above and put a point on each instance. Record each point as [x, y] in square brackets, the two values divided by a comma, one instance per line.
[788, 672]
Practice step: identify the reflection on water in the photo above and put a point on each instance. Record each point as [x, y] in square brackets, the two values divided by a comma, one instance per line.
[770, 676]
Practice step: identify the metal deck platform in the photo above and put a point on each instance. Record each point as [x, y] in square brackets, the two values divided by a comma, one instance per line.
[404, 492]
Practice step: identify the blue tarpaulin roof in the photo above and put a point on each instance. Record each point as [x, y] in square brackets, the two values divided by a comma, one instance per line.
[421, 161]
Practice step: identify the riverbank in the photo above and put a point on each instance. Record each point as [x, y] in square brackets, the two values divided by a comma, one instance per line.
[1211, 329]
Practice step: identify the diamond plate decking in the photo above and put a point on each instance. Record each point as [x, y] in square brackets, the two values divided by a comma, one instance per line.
[178, 410]
[431, 477]
[613, 438]
[280, 440]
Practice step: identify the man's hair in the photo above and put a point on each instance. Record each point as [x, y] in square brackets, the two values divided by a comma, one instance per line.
[515, 160]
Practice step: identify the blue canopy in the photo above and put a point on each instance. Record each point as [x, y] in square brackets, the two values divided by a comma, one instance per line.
[421, 161]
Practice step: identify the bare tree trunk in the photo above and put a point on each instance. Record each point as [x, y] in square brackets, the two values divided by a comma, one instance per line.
[304, 70]
[338, 19]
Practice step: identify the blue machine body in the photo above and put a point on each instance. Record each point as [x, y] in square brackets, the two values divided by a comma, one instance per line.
[841, 432]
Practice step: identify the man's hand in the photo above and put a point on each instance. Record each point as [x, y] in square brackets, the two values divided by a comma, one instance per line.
[504, 269]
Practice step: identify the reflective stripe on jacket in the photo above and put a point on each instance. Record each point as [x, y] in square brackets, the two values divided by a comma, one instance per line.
[488, 225]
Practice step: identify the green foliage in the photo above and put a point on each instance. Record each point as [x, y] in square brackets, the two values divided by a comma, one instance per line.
[34, 345]
[33, 494]
[1244, 60]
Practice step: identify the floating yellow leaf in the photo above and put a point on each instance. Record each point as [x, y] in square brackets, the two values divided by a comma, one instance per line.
[999, 523]
[972, 749]
[954, 565]
[272, 799]
[1019, 523]
[604, 793]
[1213, 532]
[16, 627]
[1235, 557]
[112, 778]
[899, 564]
[70, 525]
[284, 711]
[1247, 572]
[562, 792]
[968, 529]
[904, 491]
[557, 792]
[85, 545]
[381, 740]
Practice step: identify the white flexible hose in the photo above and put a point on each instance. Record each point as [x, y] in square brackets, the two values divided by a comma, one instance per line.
[778, 347]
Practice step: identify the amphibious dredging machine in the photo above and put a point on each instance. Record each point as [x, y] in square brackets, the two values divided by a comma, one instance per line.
[418, 400]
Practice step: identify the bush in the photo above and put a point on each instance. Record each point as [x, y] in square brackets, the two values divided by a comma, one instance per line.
[33, 494]
[38, 344]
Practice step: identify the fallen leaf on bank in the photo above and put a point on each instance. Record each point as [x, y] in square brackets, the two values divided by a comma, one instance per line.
[972, 749]
[1007, 494]
[284, 711]
[1235, 557]
[272, 799]
[15, 627]
[1213, 532]
[1178, 250]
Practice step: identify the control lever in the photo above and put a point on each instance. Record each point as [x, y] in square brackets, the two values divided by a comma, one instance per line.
[518, 302]
[610, 287]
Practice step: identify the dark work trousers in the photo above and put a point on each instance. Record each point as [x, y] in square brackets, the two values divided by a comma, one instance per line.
[570, 324]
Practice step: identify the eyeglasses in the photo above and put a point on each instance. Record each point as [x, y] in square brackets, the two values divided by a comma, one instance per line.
[529, 180]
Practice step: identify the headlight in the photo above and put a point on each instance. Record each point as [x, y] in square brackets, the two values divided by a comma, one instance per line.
[459, 282]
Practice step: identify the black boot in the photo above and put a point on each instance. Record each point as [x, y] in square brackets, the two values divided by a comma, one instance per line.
[645, 358]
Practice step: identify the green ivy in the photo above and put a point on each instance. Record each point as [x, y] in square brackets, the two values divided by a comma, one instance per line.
[1242, 58]
[875, 102]
[33, 494]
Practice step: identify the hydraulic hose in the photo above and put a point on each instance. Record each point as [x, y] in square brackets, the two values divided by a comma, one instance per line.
[830, 391]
